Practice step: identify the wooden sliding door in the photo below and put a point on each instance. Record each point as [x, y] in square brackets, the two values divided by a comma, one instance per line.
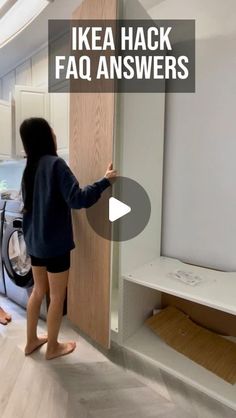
[91, 149]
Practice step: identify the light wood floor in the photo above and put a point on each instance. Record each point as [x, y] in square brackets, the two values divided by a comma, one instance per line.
[83, 385]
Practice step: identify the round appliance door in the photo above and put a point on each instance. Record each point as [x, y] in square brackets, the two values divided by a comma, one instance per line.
[16, 260]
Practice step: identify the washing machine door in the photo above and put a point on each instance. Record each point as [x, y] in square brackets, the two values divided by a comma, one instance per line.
[15, 257]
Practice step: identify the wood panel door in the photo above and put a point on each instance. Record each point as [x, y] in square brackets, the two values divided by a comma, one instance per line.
[91, 149]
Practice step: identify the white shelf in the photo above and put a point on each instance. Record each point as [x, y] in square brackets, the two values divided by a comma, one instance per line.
[217, 290]
[145, 343]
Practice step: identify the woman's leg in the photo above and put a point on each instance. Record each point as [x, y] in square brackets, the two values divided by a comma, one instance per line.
[39, 291]
[57, 284]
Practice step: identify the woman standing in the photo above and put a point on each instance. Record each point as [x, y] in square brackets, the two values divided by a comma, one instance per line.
[50, 191]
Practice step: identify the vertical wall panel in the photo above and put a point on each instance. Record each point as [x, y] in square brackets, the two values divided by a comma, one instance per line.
[6, 128]
[40, 68]
[91, 148]
[8, 85]
[24, 74]
[59, 118]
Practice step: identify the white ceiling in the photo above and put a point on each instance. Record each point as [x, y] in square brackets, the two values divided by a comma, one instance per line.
[2, 2]
[34, 35]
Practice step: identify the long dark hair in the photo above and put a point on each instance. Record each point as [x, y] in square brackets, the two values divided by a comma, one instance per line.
[38, 140]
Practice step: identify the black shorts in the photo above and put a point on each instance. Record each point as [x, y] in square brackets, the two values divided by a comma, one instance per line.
[54, 264]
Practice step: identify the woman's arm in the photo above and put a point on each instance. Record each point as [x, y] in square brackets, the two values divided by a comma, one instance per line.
[76, 197]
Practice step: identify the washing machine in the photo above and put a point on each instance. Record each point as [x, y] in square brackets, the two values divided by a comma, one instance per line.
[16, 262]
[2, 282]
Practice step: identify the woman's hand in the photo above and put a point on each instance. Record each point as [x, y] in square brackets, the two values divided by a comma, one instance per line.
[110, 173]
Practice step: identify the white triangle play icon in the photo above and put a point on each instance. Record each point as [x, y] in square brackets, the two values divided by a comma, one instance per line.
[117, 209]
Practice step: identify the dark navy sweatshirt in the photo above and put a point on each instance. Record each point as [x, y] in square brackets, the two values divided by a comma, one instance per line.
[48, 227]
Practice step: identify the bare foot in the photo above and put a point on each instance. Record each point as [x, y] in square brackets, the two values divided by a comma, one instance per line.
[3, 320]
[62, 349]
[31, 347]
[4, 317]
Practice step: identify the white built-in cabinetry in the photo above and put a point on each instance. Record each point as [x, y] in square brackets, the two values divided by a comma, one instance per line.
[33, 102]
[25, 94]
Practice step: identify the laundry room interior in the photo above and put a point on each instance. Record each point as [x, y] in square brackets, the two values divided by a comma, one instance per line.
[154, 314]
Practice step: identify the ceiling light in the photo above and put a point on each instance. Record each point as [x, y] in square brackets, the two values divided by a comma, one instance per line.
[18, 17]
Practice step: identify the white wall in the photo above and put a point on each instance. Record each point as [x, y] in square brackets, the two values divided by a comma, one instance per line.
[213, 17]
[199, 211]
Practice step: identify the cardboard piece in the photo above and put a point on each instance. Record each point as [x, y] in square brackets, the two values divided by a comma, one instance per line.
[206, 348]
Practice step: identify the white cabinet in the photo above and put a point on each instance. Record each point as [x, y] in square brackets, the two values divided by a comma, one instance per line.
[6, 129]
[29, 102]
[37, 102]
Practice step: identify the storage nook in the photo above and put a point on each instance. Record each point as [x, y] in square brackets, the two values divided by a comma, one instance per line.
[143, 290]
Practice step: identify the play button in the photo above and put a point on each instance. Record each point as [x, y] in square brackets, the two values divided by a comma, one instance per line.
[117, 209]
[123, 211]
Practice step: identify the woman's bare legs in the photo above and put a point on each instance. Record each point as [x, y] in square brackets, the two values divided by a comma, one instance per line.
[57, 285]
[40, 289]
[4, 317]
